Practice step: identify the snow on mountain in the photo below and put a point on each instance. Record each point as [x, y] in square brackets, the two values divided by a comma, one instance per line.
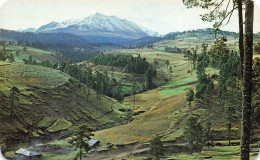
[27, 30]
[99, 25]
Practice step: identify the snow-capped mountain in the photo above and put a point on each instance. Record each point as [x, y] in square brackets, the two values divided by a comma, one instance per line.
[99, 25]
[27, 30]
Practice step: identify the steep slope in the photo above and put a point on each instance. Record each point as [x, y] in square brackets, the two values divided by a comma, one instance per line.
[50, 104]
[99, 25]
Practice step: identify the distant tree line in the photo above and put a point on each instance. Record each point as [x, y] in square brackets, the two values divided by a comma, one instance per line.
[174, 49]
[31, 37]
[130, 63]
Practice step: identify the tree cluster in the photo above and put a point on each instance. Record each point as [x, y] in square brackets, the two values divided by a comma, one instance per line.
[98, 81]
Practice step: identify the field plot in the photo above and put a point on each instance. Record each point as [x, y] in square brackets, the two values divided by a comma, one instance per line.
[154, 109]
[37, 54]
[188, 41]
[31, 75]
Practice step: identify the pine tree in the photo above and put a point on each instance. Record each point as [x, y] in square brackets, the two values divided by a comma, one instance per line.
[190, 96]
[193, 133]
[156, 148]
[230, 116]
[247, 82]
[13, 90]
[11, 58]
[134, 90]
[167, 64]
[80, 138]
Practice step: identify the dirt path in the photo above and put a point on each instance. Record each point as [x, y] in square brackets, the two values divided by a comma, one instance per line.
[124, 152]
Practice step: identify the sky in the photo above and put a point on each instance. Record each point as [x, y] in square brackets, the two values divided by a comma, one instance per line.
[162, 16]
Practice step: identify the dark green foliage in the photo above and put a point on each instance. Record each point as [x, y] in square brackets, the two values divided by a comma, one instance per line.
[156, 63]
[11, 58]
[134, 90]
[98, 81]
[193, 133]
[190, 96]
[172, 50]
[14, 90]
[217, 52]
[150, 73]
[205, 85]
[230, 115]
[257, 48]
[131, 64]
[188, 55]
[167, 64]
[3, 55]
[64, 44]
[208, 132]
[17, 53]
[256, 95]
[156, 148]
[25, 49]
[30, 37]
[80, 138]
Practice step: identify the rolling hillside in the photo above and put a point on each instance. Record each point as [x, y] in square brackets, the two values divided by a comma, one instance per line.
[37, 54]
[49, 104]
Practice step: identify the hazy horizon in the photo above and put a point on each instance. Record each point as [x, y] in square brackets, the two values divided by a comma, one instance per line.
[160, 16]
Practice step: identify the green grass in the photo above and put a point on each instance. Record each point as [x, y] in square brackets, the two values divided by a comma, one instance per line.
[166, 93]
[126, 90]
[41, 51]
[37, 54]
[63, 143]
[180, 82]
[68, 156]
[19, 58]
[32, 75]
[21, 55]
[59, 125]
[216, 153]
[46, 122]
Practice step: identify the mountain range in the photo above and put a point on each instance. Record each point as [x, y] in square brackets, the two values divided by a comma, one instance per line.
[98, 28]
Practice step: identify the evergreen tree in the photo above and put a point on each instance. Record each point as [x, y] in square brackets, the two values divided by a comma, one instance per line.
[208, 132]
[25, 49]
[134, 90]
[13, 90]
[190, 96]
[193, 133]
[230, 116]
[11, 58]
[257, 48]
[149, 78]
[80, 138]
[167, 64]
[247, 82]
[256, 95]
[156, 148]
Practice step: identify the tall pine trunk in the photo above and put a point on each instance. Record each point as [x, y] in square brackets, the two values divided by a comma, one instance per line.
[80, 153]
[247, 81]
[241, 33]
[229, 134]
[12, 104]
